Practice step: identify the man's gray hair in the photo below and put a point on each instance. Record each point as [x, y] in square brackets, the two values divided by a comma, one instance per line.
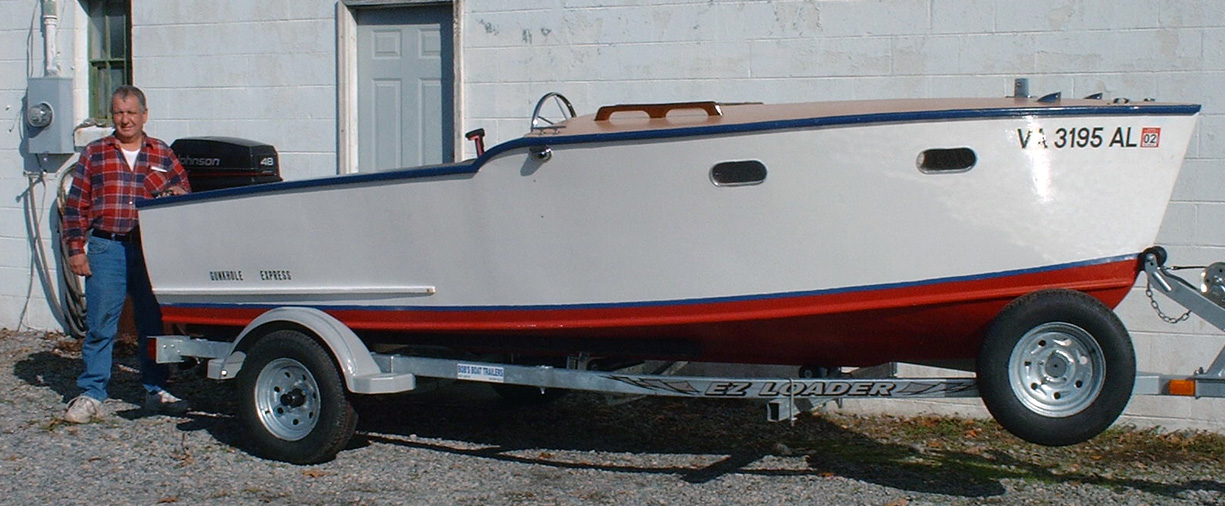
[126, 90]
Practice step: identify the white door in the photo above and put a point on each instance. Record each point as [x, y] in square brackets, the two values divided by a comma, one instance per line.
[405, 99]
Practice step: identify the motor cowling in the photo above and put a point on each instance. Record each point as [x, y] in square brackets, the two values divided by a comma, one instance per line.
[214, 163]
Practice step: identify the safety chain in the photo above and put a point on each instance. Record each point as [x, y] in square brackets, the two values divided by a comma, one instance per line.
[1152, 301]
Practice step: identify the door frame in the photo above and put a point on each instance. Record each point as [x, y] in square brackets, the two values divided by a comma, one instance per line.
[346, 75]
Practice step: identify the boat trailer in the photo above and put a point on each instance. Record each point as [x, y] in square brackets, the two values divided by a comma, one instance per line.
[296, 378]
[785, 398]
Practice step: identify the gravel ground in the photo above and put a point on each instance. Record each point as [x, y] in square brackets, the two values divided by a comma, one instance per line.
[461, 445]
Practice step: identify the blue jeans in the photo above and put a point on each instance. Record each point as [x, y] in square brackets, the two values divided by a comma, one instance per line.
[117, 270]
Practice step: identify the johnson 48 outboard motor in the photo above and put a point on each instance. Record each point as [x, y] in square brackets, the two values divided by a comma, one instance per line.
[213, 163]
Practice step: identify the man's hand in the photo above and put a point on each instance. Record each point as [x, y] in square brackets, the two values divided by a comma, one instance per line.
[79, 264]
[175, 190]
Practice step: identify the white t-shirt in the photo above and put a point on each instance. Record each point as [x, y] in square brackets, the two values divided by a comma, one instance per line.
[130, 156]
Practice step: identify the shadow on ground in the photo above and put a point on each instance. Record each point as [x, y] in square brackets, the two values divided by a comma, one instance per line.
[732, 437]
[59, 372]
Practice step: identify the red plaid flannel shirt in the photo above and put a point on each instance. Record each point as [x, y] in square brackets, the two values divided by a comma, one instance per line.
[104, 190]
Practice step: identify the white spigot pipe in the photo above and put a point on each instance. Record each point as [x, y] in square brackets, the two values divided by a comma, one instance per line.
[51, 20]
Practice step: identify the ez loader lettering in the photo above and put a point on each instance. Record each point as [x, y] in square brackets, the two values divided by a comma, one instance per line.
[793, 389]
[1090, 138]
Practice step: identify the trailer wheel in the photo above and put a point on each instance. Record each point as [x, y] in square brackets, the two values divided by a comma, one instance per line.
[292, 400]
[1056, 367]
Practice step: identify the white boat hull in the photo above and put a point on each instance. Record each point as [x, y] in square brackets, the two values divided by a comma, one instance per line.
[846, 250]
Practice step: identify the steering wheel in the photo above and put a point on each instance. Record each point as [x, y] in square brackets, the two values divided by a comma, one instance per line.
[545, 121]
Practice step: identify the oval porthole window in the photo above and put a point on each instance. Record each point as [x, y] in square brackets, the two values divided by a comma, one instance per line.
[943, 161]
[740, 173]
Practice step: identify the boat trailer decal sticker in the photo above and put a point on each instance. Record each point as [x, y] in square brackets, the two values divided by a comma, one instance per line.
[473, 372]
[935, 388]
[1089, 138]
[769, 389]
[658, 385]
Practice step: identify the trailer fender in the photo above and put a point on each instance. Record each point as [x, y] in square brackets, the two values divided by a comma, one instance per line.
[361, 373]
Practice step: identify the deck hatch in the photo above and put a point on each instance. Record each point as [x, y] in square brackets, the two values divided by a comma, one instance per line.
[944, 161]
[740, 173]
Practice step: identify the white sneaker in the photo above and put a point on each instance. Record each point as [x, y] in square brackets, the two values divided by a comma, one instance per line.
[162, 401]
[83, 409]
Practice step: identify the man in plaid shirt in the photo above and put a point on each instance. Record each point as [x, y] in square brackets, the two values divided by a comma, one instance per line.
[102, 237]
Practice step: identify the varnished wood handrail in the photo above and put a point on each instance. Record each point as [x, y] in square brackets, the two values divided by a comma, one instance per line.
[657, 111]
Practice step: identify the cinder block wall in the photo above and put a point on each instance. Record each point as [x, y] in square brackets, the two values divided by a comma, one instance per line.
[24, 200]
[262, 70]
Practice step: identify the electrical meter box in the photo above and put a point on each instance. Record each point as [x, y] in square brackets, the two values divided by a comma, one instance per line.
[48, 116]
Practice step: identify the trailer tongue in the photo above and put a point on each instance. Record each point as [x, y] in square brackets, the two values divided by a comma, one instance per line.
[1205, 302]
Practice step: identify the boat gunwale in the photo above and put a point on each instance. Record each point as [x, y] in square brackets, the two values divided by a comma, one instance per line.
[472, 166]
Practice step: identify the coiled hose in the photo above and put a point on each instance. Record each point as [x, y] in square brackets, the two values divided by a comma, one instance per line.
[74, 295]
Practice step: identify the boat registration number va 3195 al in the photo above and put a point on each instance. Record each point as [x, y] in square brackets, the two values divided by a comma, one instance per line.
[1091, 137]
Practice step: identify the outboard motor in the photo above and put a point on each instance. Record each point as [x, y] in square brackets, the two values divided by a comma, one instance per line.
[213, 163]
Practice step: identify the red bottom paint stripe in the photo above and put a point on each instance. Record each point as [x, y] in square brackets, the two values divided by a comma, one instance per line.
[907, 323]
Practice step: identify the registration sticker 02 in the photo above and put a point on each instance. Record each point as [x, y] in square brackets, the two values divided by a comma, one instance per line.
[473, 372]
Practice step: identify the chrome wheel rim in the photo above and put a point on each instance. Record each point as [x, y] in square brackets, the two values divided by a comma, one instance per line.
[1057, 369]
[287, 399]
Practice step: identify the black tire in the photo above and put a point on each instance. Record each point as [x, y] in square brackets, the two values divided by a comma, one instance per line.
[292, 400]
[1056, 367]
